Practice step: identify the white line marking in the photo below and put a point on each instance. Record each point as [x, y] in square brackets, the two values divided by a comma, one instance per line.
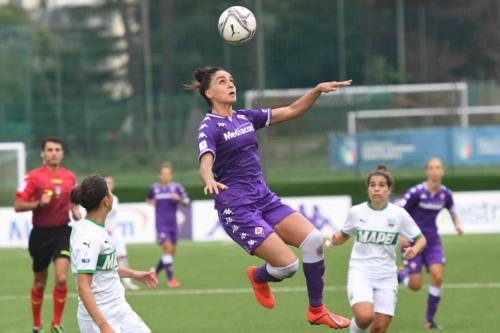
[219, 291]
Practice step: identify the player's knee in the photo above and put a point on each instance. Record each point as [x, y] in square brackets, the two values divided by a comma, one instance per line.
[284, 272]
[364, 320]
[436, 279]
[61, 281]
[39, 285]
[415, 286]
[312, 247]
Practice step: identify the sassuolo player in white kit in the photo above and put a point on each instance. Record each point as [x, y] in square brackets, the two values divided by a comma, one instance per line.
[372, 278]
[101, 303]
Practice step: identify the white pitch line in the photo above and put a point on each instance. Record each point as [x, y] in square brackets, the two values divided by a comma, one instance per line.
[221, 291]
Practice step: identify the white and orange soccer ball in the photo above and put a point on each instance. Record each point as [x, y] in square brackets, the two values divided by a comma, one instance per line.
[237, 25]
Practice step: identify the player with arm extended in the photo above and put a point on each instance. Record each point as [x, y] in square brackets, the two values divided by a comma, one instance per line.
[424, 202]
[116, 235]
[166, 196]
[376, 225]
[252, 215]
[102, 306]
[46, 192]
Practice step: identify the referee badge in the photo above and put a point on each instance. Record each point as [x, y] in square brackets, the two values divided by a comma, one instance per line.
[57, 190]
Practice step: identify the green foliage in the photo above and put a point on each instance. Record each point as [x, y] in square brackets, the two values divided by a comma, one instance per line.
[67, 72]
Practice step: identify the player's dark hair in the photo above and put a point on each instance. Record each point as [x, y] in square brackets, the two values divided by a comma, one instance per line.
[201, 82]
[52, 139]
[90, 192]
[382, 170]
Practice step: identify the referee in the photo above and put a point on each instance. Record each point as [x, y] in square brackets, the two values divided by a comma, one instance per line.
[46, 192]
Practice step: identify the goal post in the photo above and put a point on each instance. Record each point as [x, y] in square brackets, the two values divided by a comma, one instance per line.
[453, 94]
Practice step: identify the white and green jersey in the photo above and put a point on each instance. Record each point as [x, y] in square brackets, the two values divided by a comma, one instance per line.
[376, 236]
[92, 252]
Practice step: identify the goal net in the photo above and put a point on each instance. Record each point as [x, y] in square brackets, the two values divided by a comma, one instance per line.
[305, 142]
[12, 170]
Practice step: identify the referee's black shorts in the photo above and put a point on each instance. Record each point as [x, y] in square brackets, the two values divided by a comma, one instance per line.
[46, 244]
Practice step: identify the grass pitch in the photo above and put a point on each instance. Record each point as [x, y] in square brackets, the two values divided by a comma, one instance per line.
[216, 297]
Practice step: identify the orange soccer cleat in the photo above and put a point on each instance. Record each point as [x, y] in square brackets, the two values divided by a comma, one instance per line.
[321, 316]
[261, 290]
[173, 283]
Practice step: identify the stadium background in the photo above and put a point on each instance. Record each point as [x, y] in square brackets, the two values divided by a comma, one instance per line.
[106, 77]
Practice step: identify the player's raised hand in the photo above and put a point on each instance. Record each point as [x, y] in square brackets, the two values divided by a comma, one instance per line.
[332, 86]
[214, 187]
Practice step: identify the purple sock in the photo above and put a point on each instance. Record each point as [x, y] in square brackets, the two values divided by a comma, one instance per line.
[159, 266]
[432, 303]
[314, 278]
[262, 275]
[170, 271]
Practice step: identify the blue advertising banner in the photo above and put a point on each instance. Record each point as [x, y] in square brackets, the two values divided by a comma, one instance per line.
[412, 147]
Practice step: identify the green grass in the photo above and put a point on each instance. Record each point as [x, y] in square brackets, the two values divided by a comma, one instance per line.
[215, 295]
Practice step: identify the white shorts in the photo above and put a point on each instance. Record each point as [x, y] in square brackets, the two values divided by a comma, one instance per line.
[381, 292]
[125, 320]
[119, 243]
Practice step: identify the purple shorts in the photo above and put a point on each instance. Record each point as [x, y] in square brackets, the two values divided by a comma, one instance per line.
[433, 254]
[166, 235]
[249, 225]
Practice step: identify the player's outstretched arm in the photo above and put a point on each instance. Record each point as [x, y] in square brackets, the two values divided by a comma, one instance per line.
[85, 292]
[148, 278]
[337, 239]
[304, 103]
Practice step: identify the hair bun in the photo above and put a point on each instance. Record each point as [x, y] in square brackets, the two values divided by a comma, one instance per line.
[76, 195]
[382, 167]
[199, 74]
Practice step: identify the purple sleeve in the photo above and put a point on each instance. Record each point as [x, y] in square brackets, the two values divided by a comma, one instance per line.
[151, 193]
[206, 139]
[258, 117]
[410, 199]
[182, 192]
[450, 205]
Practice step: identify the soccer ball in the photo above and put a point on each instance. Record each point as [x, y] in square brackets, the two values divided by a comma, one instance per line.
[237, 25]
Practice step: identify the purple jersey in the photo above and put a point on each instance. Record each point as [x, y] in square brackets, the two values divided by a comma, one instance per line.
[166, 206]
[233, 143]
[424, 207]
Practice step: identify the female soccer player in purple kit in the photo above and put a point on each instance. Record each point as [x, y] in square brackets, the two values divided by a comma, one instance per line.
[424, 202]
[166, 196]
[252, 215]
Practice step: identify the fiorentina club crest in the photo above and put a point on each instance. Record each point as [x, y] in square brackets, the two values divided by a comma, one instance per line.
[259, 231]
